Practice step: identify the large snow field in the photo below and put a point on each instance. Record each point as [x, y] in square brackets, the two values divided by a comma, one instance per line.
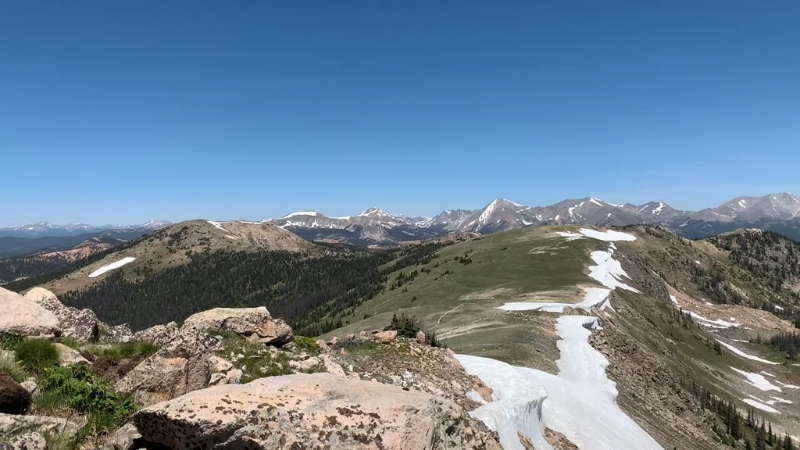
[112, 266]
[579, 402]
[608, 235]
[745, 355]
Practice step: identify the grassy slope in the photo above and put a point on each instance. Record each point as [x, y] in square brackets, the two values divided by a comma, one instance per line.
[461, 306]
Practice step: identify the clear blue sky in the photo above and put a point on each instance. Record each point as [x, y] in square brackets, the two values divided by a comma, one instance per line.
[123, 111]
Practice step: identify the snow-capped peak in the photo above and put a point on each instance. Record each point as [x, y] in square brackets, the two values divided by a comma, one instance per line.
[301, 213]
[375, 213]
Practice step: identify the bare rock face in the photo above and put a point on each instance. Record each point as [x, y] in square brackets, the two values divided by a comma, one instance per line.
[310, 411]
[113, 334]
[255, 324]
[81, 324]
[14, 399]
[68, 356]
[24, 432]
[179, 367]
[24, 316]
[158, 334]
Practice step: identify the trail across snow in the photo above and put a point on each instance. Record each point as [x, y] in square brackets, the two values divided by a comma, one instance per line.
[112, 266]
[579, 402]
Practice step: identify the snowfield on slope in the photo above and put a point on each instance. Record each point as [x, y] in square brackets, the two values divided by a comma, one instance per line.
[579, 402]
[758, 380]
[745, 355]
[112, 266]
[608, 235]
[607, 271]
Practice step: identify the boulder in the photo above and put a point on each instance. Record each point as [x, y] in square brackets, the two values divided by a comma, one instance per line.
[14, 399]
[386, 337]
[30, 386]
[178, 367]
[125, 438]
[421, 338]
[108, 334]
[255, 324]
[19, 431]
[310, 411]
[26, 317]
[68, 356]
[158, 335]
[81, 324]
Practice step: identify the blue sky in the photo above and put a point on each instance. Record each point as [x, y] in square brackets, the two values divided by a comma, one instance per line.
[120, 112]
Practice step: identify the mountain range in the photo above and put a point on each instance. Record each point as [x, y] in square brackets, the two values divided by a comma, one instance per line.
[376, 227]
[776, 212]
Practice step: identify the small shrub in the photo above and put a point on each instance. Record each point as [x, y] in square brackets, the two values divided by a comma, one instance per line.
[12, 367]
[75, 387]
[10, 341]
[404, 325]
[306, 343]
[36, 354]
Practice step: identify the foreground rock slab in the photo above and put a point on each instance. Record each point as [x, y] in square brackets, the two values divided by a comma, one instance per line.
[24, 316]
[311, 412]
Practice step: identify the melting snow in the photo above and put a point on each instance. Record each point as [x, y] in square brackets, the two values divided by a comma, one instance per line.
[719, 323]
[787, 386]
[608, 271]
[594, 200]
[608, 235]
[759, 405]
[745, 355]
[580, 402]
[111, 266]
[743, 203]
[658, 210]
[218, 225]
[758, 380]
[674, 300]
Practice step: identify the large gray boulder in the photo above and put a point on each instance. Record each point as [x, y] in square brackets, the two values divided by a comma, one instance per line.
[24, 316]
[310, 411]
[25, 432]
[158, 334]
[255, 324]
[76, 323]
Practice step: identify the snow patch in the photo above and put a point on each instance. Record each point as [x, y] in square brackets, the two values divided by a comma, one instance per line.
[673, 299]
[570, 235]
[218, 225]
[595, 201]
[758, 405]
[593, 298]
[745, 355]
[301, 213]
[758, 380]
[112, 266]
[719, 323]
[579, 402]
[608, 235]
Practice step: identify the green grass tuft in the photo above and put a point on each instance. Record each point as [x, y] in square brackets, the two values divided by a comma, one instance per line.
[36, 354]
[12, 367]
[306, 344]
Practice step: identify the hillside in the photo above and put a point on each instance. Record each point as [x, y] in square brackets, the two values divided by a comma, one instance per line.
[174, 246]
[22, 267]
[681, 323]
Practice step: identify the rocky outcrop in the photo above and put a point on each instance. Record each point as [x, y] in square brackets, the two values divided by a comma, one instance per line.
[386, 337]
[158, 335]
[24, 316]
[125, 438]
[310, 411]
[25, 432]
[108, 334]
[14, 399]
[68, 356]
[81, 324]
[179, 367]
[255, 324]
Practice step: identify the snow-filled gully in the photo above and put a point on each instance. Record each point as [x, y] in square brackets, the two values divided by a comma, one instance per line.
[579, 402]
